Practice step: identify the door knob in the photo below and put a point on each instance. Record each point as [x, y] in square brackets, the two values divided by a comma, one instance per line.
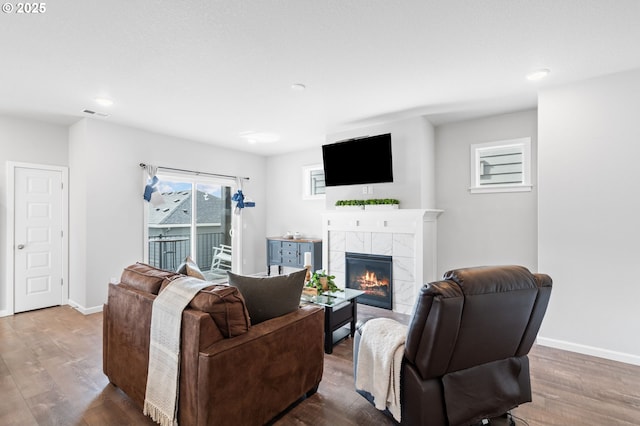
[20, 246]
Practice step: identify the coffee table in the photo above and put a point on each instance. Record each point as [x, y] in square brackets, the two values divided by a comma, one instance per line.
[340, 309]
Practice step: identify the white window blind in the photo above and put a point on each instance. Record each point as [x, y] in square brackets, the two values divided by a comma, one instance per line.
[501, 166]
[313, 186]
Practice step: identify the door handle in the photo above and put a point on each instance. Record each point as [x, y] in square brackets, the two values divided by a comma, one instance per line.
[20, 246]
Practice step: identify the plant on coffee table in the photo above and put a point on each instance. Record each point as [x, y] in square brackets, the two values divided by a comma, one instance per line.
[322, 281]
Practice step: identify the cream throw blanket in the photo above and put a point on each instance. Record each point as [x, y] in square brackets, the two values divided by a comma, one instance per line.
[379, 361]
[161, 398]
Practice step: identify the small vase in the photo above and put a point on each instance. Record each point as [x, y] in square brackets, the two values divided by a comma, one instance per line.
[325, 284]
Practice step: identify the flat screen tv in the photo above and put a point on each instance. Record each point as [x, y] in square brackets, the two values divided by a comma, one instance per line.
[358, 161]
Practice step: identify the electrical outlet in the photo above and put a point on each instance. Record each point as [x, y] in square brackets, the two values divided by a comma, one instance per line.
[370, 189]
[364, 190]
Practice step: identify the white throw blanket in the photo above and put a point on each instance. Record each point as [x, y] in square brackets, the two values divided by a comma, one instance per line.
[379, 361]
[161, 398]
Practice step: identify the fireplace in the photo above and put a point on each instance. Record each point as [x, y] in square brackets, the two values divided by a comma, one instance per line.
[373, 275]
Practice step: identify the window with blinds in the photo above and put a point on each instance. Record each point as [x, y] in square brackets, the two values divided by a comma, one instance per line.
[317, 182]
[313, 182]
[501, 166]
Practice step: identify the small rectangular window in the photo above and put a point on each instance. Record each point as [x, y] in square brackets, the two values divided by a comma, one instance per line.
[501, 166]
[313, 182]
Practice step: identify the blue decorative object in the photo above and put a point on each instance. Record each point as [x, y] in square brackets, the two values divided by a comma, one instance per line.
[238, 197]
[150, 188]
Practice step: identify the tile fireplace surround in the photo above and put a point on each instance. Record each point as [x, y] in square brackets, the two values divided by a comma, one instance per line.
[407, 235]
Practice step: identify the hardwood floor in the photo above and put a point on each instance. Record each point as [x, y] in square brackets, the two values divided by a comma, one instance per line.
[51, 374]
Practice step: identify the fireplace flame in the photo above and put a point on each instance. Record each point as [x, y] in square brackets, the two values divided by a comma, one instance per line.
[370, 283]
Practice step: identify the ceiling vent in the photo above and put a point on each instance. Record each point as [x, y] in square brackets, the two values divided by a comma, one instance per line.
[97, 114]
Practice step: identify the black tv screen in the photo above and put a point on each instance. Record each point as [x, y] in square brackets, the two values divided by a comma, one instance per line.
[358, 161]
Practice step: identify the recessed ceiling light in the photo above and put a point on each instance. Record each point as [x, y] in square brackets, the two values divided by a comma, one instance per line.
[260, 137]
[104, 101]
[298, 86]
[538, 74]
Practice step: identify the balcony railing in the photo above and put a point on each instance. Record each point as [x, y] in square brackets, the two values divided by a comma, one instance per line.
[169, 252]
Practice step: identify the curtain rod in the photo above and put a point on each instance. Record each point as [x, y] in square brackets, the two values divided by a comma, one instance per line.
[143, 165]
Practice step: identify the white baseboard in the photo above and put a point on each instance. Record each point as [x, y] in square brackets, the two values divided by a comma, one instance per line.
[83, 310]
[589, 350]
[74, 305]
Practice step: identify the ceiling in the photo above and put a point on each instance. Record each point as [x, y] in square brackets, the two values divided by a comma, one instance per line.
[217, 70]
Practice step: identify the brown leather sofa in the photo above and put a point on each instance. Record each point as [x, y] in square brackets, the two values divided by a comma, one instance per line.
[230, 372]
[465, 356]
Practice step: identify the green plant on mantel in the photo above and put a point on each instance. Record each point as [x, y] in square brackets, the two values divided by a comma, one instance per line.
[322, 281]
[350, 203]
[374, 201]
[371, 201]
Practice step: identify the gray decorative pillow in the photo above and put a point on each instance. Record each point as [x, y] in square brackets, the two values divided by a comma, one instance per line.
[269, 297]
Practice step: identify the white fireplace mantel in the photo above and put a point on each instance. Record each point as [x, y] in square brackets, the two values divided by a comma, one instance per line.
[407, 235]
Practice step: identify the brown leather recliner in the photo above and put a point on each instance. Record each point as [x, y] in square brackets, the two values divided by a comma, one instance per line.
[465, 356]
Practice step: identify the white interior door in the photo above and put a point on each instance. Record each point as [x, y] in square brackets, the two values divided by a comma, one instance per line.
[38, 238]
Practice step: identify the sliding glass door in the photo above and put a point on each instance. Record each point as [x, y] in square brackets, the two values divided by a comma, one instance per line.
[214, 229]
[194, 219]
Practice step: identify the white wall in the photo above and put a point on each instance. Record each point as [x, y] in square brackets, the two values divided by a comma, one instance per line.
[82, 161]
[413, 169]
[106, 230]
[413, 184]
[589, 215]
[483, 229]
[25, 141]
[286, 209]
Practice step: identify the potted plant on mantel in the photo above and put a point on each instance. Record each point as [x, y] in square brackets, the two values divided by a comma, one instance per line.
[349, 204]
[381, 204]
[370, 204]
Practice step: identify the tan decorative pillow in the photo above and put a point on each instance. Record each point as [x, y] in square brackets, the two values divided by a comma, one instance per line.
[227, 308]
[190, 268]
[145, 277]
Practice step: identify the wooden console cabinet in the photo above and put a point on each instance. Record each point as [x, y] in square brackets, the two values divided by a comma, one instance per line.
[288, 252]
